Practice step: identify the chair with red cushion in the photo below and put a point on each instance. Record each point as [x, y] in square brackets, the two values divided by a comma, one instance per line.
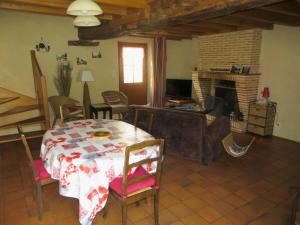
[65, 108]
[40, 176]
[117, 100]
[140, 184]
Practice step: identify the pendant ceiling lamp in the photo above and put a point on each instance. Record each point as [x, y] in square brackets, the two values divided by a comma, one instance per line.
[86, 21]
[84, 8]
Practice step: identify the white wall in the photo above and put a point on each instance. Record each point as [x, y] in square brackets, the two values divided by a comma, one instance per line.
[182, 58]
[280, 69]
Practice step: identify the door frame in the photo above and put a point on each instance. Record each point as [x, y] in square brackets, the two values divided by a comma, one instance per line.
[145, 62]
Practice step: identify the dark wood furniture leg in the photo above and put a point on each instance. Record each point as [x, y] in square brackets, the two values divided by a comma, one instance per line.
[91, 112]
[296, 199]
[104, 114]
[110, 113]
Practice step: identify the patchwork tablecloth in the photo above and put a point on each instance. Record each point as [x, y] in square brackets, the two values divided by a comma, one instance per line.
[84, 166]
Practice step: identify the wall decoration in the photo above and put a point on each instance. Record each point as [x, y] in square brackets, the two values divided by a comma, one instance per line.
[62, 57]
[81, 61]
[42, 46]
[96, 55]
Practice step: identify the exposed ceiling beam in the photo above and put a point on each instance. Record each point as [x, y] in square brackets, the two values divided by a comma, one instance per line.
[188, 29]
[145, 35]
[41, 9]
[133, 17]
[63, 4]
[271, 17]
[182, 31]
[125, 3]
[291, 8]
[213, 25]
[164, 14]
[242, 22]
[169, 34]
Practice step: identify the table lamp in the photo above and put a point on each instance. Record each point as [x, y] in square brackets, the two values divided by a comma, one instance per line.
[266, 94]
[86, 76]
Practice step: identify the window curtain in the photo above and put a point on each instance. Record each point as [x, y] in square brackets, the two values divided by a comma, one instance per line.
[159, 71]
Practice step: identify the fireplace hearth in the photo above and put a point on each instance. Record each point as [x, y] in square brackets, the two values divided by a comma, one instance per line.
[241, 90]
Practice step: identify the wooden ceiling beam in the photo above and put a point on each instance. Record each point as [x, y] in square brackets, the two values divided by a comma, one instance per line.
[145, 35]
[41, 9]
[186, 30]
[141, 4]
[290, 8]
[172, 13]
[215, 26]
[242, 22]
[206, 28]
[131, 18]
[63, 4]
[180, 31]
[271, 17]
[169, 34]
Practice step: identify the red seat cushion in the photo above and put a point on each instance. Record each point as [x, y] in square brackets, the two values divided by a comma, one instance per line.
[42, 172]
[113, 99]
[73, 109]
[116, 184]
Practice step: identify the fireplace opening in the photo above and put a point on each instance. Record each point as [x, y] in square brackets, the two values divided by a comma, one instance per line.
[225, 101]
[227, 92]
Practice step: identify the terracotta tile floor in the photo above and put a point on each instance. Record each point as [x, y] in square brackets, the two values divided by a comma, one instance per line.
[249, 190]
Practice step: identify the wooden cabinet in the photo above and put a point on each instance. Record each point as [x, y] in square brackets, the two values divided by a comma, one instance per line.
[261, 118]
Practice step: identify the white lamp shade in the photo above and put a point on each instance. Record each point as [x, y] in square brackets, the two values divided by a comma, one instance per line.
[84, 8]
[86, 21]
[85, 76]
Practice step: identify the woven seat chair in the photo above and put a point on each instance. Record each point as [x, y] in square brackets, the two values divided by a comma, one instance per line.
[65, 108]
[117, 100]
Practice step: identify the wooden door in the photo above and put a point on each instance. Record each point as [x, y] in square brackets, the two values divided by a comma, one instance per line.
[133, 71]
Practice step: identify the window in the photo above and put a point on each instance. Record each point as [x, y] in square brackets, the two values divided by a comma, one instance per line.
[133, 64]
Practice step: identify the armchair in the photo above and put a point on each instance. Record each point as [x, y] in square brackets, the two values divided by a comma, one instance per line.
[117, 100]
[65, 108]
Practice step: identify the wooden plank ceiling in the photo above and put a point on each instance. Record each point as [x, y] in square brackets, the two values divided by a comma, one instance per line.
[172, 18]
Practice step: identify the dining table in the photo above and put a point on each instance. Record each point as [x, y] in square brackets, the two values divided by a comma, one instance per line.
[85, 165]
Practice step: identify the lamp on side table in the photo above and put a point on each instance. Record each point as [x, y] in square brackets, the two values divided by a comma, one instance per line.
[86, 76]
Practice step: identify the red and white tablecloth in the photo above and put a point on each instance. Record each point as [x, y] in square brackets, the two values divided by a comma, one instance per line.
[84, 166]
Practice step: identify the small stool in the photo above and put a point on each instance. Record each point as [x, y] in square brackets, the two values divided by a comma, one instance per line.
[100, 107]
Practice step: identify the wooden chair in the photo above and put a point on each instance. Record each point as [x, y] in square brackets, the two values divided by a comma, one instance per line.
[140, 184]
[150, 119]
[40, 176]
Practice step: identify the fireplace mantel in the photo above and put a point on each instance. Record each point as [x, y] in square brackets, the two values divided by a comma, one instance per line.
[246, 87]
[226, 76]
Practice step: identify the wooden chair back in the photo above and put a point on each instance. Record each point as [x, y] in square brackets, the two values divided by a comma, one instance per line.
[129, 166]
[29, 155]
[150, 118]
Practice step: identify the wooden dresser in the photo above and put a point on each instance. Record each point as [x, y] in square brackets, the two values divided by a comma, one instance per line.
[261, 118]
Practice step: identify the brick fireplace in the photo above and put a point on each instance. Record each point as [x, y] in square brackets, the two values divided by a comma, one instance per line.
[222, 51]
